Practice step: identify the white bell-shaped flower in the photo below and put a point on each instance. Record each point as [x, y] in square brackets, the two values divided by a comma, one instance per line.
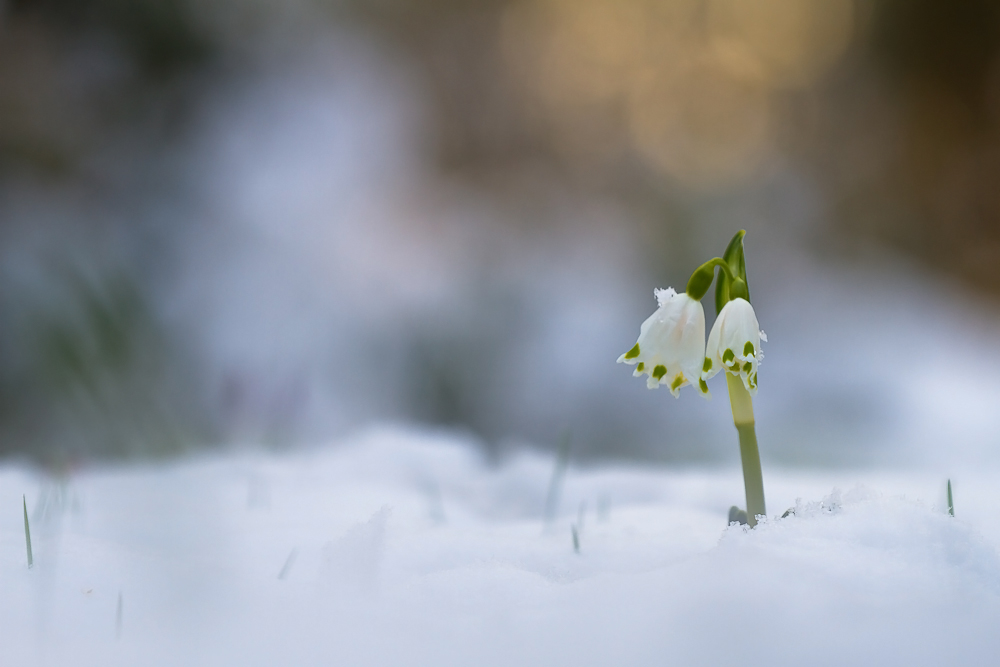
[671, 345]
[734, 344]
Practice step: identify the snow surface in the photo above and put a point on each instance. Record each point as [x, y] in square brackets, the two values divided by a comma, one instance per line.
[403, 548]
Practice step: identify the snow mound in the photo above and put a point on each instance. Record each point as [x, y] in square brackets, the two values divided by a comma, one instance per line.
[395, 548]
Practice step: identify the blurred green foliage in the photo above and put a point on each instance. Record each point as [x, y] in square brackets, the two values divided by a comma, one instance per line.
[95, 376]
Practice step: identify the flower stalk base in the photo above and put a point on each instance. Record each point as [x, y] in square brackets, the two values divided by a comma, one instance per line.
[743, 418]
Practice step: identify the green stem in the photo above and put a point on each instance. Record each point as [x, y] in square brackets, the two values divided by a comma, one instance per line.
[753, 479]
[703, 276]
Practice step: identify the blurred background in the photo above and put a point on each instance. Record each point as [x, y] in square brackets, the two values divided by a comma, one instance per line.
[271, 222]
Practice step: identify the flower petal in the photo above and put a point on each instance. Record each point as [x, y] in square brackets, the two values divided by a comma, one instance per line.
[734, 344]
[671, 343]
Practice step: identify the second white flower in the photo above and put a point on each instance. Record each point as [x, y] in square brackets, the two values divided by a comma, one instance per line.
[734, 344]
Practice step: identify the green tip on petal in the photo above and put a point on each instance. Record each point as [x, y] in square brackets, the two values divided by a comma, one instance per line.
[678, 381]
[728, 356]
[703, 386]
[640, 367]
[748, 349]
[659, 372]
[707, 366]
[633, 353]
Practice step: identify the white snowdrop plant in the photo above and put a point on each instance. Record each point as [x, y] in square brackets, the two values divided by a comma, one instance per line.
[671, 344]
[671, 351]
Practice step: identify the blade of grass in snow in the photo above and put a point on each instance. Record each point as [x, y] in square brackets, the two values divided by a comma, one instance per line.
[576, 539]
[288, 563]
[951, 504]
[555, 484]
[436, 504]
[27, 532]
[604, 508]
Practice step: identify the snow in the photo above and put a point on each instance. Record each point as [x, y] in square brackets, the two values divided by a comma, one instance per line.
[396, 547]
[664, 295]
